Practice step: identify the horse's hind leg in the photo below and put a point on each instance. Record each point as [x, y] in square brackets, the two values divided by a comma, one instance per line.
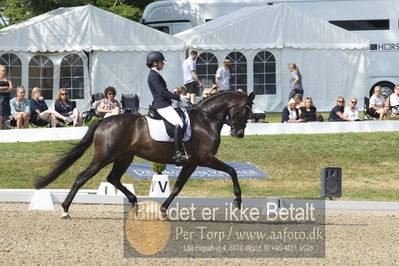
[120, 166]
[185, 173]
[81, 179]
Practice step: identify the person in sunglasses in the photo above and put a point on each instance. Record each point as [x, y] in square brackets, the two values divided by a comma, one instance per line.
[63, 105]
[351, 110]
[109, 106]
[337, 113]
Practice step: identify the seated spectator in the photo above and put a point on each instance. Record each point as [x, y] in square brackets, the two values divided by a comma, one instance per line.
[298, 101]
[241, 91]
[64, 106]
[351, 110]
[20, 108]
[40, 115]
[5, 90]
[214, 90]
[377, 103]
[393, 101]
[337, 113]
[257, 116]
[290, 113]
[183, 91]
[109, 105]
[206, 93]
[308, 112]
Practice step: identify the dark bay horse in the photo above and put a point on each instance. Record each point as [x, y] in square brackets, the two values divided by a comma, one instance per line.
[119, 138]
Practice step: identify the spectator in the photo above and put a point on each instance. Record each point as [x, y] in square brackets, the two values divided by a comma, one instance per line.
[64, 106]
[40, 115]
[295, 81]
[213, 90]
[351, 111]
[241, 91]
[190, 77]
[290, 113]
[206, 93]
[109, 105]
[5, 90]
[183, 91]
[222, 76]
[308, 112]
[258, 116]
[377, 103]
[393, 101]
[20, 109]
[298, 101]
[337, 113]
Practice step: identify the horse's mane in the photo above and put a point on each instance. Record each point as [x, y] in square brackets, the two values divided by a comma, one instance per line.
[214, 97]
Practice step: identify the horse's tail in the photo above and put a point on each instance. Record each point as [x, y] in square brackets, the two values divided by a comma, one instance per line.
[70, 157]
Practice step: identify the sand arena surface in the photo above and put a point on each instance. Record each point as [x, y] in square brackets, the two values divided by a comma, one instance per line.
[94, 236]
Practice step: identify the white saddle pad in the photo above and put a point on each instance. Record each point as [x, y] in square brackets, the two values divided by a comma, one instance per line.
[158, 130]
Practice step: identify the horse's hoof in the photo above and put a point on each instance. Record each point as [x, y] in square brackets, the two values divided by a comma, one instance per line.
[237, 203]
[65, 215]
[164, 214]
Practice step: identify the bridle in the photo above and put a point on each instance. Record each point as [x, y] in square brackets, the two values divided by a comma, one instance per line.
[233, 121]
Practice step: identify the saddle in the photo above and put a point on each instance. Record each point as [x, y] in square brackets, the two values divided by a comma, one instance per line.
[153, 113]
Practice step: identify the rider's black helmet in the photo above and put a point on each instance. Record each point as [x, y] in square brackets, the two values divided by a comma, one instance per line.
[154, 56]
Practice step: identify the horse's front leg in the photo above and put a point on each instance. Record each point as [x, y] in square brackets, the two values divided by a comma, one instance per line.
[185, 173]
[216, 164]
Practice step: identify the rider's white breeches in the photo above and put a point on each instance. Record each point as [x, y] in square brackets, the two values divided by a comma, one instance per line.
[170, 115]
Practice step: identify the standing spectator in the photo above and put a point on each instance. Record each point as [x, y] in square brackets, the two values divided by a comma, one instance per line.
[290, 113]
[109, 105]
[295, 80]
[40, 115]
[393, 101]
[5, 90]
[20, 109]
[64, 106]
[377, 103]
[337, 113]
[222, 76]
[190, 76]
[308, 112]
[351, 111]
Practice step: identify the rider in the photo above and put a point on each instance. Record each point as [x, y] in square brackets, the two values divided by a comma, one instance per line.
[162, 102]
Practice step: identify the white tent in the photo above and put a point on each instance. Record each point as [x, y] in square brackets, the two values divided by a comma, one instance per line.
[113, 49]
[333, 61]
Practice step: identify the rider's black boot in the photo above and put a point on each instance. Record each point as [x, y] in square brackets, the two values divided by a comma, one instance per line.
[180, 154]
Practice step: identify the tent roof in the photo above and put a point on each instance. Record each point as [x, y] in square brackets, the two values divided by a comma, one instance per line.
[274, 26]
[84, 28]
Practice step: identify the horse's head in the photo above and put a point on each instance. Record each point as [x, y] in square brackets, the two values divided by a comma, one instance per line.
[238, 116]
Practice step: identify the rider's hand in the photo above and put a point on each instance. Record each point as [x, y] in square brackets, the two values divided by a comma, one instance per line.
[184, 99]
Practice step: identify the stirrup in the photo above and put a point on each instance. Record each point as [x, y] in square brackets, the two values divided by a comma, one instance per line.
[180, 157]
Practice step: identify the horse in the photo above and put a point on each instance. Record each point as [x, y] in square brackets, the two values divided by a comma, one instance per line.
[117, 139]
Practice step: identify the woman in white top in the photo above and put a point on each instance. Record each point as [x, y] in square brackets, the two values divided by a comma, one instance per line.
[377, 103]
[351, 110]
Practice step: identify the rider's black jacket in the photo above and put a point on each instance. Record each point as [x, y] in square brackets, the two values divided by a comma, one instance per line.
[162, 97]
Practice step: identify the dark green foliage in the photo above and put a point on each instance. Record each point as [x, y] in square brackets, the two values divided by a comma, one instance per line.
[158, 168]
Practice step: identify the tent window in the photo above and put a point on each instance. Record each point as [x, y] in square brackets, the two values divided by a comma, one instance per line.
[207, 64]
[238, 71]
[14, 69]
[72, 75]
[264, 73]
[41, 72]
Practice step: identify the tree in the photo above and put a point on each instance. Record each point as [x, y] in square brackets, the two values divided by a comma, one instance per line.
[14, 11]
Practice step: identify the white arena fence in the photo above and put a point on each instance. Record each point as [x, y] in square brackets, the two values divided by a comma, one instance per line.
[74, 133]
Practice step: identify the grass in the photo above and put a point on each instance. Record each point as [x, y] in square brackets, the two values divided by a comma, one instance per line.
[368, 160]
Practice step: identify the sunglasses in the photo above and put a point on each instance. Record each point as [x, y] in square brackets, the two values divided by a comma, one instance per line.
[340, 101]
[111, 93]
[354, 102]
[64, 94]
